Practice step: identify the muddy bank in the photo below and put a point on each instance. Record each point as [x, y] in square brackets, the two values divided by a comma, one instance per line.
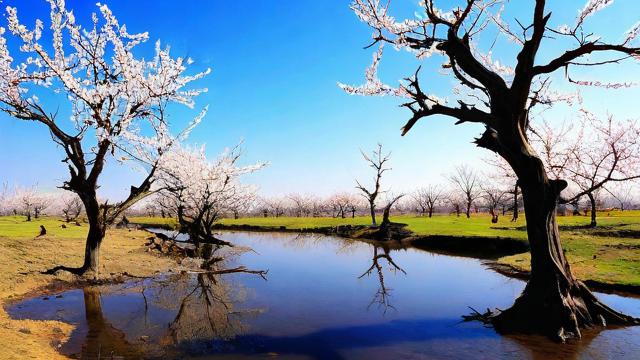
[607, 288]
[468, 246]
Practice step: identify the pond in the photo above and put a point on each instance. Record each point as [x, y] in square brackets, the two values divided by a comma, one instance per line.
[324, 298]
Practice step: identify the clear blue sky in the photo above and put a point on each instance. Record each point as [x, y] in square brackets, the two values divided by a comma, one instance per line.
[275, 67]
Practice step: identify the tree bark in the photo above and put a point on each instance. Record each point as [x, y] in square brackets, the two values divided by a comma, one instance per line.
[515, 203]
[430, 212]
[372, 208]
[594, 209]
[97, 231]
[553, 302]
[468, 212]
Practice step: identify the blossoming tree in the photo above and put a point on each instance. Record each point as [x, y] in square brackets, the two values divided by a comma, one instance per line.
[117, 102]
[500, 97]
[202, 191]
[598, 154]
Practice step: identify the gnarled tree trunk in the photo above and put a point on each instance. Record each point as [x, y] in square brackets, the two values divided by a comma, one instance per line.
[553, 302]
[372, 208]
[97, 231]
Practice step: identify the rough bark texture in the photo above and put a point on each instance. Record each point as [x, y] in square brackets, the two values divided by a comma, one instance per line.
[592, 201]
[372, 208]
[553, 302]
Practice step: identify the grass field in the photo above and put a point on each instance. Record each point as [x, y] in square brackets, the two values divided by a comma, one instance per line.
[23, 256]
[606, 254]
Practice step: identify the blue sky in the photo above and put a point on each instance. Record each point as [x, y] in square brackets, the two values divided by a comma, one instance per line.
[275, 65]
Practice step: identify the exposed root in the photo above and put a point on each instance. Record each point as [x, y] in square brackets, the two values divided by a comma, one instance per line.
[475, 315]
[73, 270]
[557, 312]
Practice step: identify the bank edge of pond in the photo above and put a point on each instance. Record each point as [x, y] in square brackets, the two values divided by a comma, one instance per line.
[599, 286]
[489, 249]
[468, 246]
[124, 259]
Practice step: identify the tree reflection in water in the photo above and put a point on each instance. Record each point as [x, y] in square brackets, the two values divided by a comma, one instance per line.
[383, 294]
[103, 340]
[204, 303]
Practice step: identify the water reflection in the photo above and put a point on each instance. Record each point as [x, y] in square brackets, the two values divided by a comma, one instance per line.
[383, 294]
[316, 304]
[103, 339]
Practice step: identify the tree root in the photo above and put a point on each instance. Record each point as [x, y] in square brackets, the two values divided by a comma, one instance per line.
[73, 270]
[555, 312]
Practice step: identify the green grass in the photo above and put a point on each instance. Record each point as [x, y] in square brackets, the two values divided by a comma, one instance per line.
[477, 225]
[16, 227]
[154, 221]
[617, 260]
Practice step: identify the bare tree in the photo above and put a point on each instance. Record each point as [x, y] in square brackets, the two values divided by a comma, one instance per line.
[501, 98]
[505, 175]
[275, 206]
[467, 182]
[435, 195]
[623, 195]
[377, 161]
[340, 204]
[301, 204]
[386, 212]
[493, 199]
[455, 201]
[71, 207]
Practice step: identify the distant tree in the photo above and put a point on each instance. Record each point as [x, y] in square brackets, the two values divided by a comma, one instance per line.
[377, 161]
[71, 207]
[275, 206]
[602, 153]
[493, 199]
[31, 202]
[455, 201]
[341, 204]
[427, 198]
[5, 198]
[501, 96]
[301, 204]
[623, 195]
[504, 176]
[467, 182]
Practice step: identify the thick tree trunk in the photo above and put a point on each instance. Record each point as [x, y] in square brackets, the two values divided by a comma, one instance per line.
[430, 212]
[92, 247]
[468, 212]
[553, 302]
[372, 208]
[97, 231]
[594, 209]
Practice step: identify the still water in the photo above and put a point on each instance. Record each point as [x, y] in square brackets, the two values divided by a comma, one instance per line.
[324, 298]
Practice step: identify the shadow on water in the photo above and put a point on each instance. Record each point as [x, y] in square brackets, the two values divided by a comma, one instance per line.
[326, 298]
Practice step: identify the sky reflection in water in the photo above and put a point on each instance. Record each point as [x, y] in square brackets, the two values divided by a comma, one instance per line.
[320, 302]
